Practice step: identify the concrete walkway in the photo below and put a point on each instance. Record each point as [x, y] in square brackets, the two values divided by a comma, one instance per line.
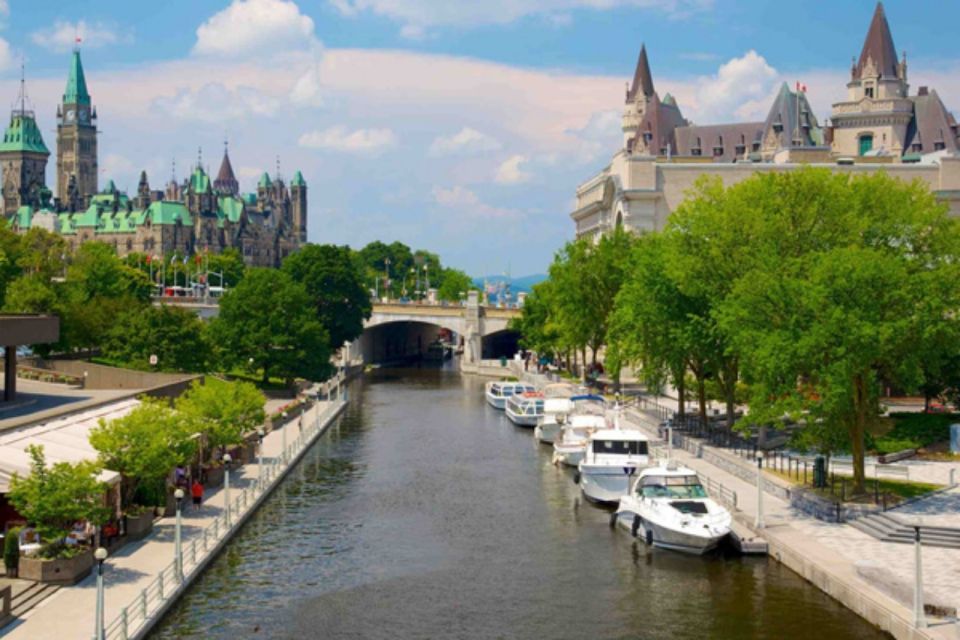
[870, 577]
[70, 612]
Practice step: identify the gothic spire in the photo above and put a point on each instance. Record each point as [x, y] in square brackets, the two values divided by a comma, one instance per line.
[878, 47]
[642, 78]
[76, 92]
[226, 181]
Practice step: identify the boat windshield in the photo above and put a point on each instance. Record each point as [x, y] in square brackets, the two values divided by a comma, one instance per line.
[672, 487]
[620, 447]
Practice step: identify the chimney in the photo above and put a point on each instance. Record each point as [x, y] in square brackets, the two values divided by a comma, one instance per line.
[923, 91]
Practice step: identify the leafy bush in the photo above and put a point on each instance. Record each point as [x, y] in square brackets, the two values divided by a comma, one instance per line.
[11, 549]
[884, 446]
[916, 430]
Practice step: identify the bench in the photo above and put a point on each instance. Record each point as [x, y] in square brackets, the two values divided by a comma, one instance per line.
[892, 470]
[895, 457]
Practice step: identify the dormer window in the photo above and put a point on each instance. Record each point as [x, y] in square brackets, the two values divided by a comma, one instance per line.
[939, 146]
[868, 92]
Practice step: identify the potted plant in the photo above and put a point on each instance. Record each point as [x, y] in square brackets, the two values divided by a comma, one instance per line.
[144, 446]
[54, 498]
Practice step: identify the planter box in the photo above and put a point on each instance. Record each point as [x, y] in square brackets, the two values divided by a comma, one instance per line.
[58, 570]
[140, 526]
[214, 477]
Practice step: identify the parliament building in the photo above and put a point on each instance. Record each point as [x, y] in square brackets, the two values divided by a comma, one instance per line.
[880, 126]
[200, 214]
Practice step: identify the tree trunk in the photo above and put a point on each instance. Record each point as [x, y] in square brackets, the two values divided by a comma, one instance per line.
[583, 373]
[681, 397]
[266, 375]
[926, 402]
[702, 397]
[858, 430]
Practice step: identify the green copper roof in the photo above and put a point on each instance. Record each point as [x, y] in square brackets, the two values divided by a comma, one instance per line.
[88, 218]
[23, 134]
[250, 198]
[668, 99]
[229, 208]
[76, 92]
[264, 181]
[200, 181]
[24, 216]
[110, 188]
[166, 212]
[298, 180]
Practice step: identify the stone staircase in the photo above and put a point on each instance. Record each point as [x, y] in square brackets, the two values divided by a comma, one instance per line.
[888, 528]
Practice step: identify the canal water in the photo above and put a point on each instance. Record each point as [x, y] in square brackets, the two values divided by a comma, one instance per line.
[424, 513]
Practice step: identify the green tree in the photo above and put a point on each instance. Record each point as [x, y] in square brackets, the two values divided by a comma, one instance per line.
[225, 410]
[230, 264]
[270, 321]
[145, 445]
[43, 254]
[96, 271]
[534, 324]
[176, 336]
[848, 282]
[54, 497]
[454, 282]
[328, 274]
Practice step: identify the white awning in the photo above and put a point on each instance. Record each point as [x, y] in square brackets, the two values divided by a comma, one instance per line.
[63, 439]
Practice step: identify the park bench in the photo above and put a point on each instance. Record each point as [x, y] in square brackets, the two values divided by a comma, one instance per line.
[897, 456]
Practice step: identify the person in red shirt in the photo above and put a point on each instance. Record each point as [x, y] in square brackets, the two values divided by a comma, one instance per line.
[197, 492]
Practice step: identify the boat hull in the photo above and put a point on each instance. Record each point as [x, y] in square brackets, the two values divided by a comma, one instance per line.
[547, 432]
[522, 421]
[569, 456]
[665, 537]
[497, 402]
[604, 484]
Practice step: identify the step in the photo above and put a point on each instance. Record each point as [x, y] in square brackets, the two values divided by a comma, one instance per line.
[30, 598]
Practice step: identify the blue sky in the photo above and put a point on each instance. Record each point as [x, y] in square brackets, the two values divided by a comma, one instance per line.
[458, 126]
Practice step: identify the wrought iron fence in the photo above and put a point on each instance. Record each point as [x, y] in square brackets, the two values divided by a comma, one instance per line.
[153, 598]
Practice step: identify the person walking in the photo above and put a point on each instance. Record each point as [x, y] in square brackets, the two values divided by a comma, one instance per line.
[196, 491]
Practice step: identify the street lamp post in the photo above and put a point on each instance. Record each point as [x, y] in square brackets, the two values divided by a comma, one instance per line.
[177, 536]
[283, 429]
[919, 616]
[227, 459]
[758, 523]
[386, 281]
[100, 555]
[260, 435]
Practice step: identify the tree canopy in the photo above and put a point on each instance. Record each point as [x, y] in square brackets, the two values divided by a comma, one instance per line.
[270, 321]
[224, 411]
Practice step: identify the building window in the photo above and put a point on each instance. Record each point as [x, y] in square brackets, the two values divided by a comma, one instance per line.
[741, 149]
[939, 146]
[866, 144]
[869, 92]
[756, 146]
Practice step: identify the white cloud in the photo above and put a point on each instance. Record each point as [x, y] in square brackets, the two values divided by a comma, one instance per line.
[371, 142]
[116, 167]
[6, 55]
[253, 27]
[467, 141]
[62, 36]
[308, 90]
[216, 103]
[4, 8]
[416, 16]
[510, 172]
[467, 202]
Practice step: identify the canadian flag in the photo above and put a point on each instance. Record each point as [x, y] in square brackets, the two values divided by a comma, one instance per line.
[802, 88]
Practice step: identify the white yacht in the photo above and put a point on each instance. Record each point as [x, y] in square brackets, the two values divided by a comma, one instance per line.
[669, 508]
[613, 457]
[557, 406]
[498, 392]
[587, 414]
[525, 409]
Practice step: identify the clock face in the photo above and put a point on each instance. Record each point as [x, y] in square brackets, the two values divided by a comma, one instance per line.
[70, 115]
[83, 115]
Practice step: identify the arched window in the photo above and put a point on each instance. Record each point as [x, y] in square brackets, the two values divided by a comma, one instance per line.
[619, 222]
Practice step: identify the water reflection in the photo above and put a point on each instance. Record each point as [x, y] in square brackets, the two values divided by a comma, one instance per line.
[425, 514]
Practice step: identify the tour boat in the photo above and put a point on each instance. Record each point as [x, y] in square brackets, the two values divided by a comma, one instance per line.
[612, 458]
[498, 392]
[669, 508]
[524, 409]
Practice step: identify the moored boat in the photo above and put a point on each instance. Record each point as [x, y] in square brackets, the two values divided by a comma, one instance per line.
[611, 459]
[669, 508]
[525, 409]
[498, 392]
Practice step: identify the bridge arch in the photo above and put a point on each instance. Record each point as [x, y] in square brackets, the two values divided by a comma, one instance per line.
[397, 339]
[503, 343]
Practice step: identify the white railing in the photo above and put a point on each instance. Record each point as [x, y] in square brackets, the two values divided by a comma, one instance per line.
[167, 586]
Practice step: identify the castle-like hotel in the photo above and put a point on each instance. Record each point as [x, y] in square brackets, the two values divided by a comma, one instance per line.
[880, 126]
[201, 214]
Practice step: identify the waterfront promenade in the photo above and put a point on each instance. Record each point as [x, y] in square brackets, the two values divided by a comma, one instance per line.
[133, 571]
[873, 578]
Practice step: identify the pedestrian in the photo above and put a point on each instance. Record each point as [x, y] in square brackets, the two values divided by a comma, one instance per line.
[197, 492]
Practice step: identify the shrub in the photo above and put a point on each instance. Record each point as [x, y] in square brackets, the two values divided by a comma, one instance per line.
[11, 550]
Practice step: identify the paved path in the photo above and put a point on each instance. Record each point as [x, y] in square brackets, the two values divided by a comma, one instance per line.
[882, 570]
[70, 612]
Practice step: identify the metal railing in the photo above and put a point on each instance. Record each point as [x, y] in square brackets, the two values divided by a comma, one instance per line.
[167, 585]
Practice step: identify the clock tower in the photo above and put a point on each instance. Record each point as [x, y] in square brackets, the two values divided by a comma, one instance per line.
[76, 141]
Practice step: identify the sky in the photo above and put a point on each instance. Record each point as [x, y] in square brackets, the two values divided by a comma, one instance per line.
[458, 126]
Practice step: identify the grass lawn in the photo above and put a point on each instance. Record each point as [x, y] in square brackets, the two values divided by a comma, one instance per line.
[895, 490]
[256, 377]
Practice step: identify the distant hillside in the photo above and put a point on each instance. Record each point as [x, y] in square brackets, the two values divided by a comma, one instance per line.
[524, 283]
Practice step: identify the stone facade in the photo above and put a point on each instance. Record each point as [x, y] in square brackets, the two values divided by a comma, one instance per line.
[196, 215]
[879, 128]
